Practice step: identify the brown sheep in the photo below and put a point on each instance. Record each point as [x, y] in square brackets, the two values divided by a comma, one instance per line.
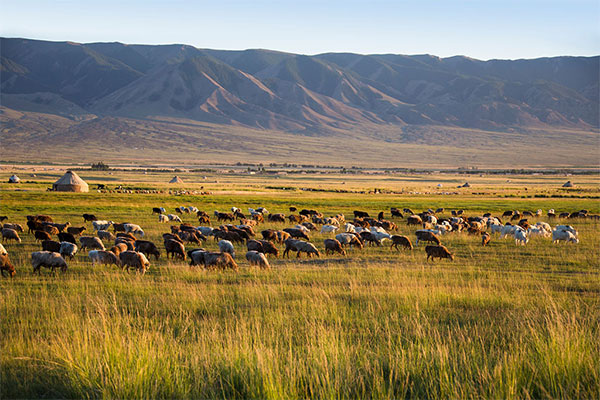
[485, 238]
[190, 237]
[34, 226]
[257, 258]
[51, 245]
[333, 246]
[225, 235]
[118, 248]
[426, 236]
[89, 217]
[73, 230]
[6, 265]
[439, 252]
[262, 246]
[174, 247]
[309, 225]
[10, 234]
[127, 236]
[62, 227]
[105, 235]
[204, 220]
[276, 217]
[51, 229]
[170, 236]
[132, 259]
[219, 260]
[16, 227]
[296, 233]
[119, 227]
[224, 216]
[401, 240]
[104, 257]
[47, 259]
[147, 247]
[297, 218]
[301, 247]
[91, 242]
[414, 220]
[248, 222]
[66, 237]
[40, 218]
[41, 235]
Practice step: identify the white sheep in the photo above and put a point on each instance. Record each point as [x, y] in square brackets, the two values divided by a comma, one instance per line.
[256, 258]
[377, 229]
[329, 228]
[302, 228]
[521, 237]
[205, 230]
[192, 210]
[68, 249]
[225, 246]
[101, 225]
[508, 230]
[134, 229]
[564, 236]
[537, 231]
[47, 259]
[567, 228]
[349, 227]
[103, 257]
[173, 217]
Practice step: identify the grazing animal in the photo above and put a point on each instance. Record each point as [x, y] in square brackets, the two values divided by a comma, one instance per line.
[262, 246]
[51, 245]
[147, 248]
[485, 238]
[118, 248]
[276, 217]
[300, 246]
[101, 225]
[401, 240]
[125, 241]
[104, 257]
[438, 252]
[224, 216]
[297, 233]
[158, 210]
[135, 260]
[41, 235]
[360, 214]
[564, 236]
[134, 229]
[162, 218]
[226, 247]
[126, 236]
[3, 218]
[174, 247]
[396, 213]
[89, 218]
[16, 227]
[349, 239]
[6, 266]
[567, 228]
[50, 229]
[333, 246]
[47, 259]
[427, 236]
[91, 242]
[414, 220]
[10, 234]
[106, 235]
[218, 260]
[256, 258]
[73, 230]
[68, 250]
[3, 250]
[329, 228]
[521, 236]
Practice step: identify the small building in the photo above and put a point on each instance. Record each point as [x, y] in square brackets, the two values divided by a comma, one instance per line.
[568, 184]
[466, 184]
[176, 179]
[70, 182]
[14, 179]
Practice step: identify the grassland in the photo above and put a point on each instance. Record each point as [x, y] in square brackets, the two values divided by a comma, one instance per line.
[499, 322]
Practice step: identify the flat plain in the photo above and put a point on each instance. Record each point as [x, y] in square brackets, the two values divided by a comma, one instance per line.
[502, 321]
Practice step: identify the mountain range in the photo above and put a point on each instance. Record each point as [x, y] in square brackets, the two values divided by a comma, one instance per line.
[323, 95]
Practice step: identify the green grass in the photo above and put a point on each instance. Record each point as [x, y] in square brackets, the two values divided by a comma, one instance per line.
[499, 322]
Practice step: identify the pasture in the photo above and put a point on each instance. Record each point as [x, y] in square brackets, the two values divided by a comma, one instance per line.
[501, 321]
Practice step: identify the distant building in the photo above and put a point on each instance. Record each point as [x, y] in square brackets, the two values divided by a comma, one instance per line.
[176, 179]
[14, 179]
[70, 182]
[568, 184]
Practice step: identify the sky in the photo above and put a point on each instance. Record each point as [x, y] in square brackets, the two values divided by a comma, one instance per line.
[482, 29]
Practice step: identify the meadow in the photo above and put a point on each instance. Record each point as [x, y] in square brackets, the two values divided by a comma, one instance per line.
[503, 321]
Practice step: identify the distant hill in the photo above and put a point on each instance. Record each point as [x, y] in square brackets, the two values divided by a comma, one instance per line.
[384, 97]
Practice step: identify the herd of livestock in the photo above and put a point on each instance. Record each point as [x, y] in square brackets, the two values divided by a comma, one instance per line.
[129, 249]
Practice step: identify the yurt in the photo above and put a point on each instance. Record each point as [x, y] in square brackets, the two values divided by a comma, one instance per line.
[14, 179]
[568, 184]
[176, 179]
[467, 184]
[70, 182]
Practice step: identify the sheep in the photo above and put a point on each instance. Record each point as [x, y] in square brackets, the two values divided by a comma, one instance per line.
[360, 214]
[521, 237]
[52, 230]
[89, 217]
[262, 246]
[158, 210]
[300, 246]
[226, 247]
[567, 228]
[414, 220]
[276, 217]
[6, 265]
[333, 246]
[231, 236]
[485, 238]
[67, 250]
[427, 236]
[508, 230]
[309, 225]
[3, 250]
[73, 230]
[220, 260]
[565, 236]
[47, 259]
[296, 218]
[173, 217]
[544, 225]
[133, 228]
[224, 216]
[101, 225]
[191, 236]
[401, 240]
[3, 218]
[276, 236]
[329, 228]
[51, 245]
[162, 218]
[41, 218]
[369, 237]
[10, 234]
[302, 228]
[431, 219]
[496, 228]
[192, 210]
[296, 233]
[118, 248]
[62, 227]
[135, 260]
[348, 227]
[396, 213]
[66, 237]
[538, 231]
[147, 247]
[41, 236]
[349, 239]
[91, 242]
[256, 258]
[438, 252]
[34, 226]
[16, 227]
[205, 230]
[106, 235]
[174, 247]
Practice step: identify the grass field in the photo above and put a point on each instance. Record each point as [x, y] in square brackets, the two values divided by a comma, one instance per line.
[503, 321]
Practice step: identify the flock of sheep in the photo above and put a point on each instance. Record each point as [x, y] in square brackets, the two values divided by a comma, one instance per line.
[130, 251]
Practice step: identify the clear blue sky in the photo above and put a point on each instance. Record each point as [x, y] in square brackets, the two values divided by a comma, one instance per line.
[481, 29]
